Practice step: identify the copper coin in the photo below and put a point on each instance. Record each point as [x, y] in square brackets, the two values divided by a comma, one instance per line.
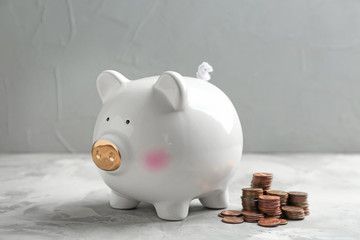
[298, 194]
[251, 221]
[248, 199]
[270, 205]
[251, 209]
[269, 198]
[269, 222]
[292, 209]
[261, 181]
[232, 220]
[231, 213]
[269, 211]
[252, 192]
[276, 192]
[283, 221]
[264, 175]
[220, 215]
[247, 213]
[295, 217]
[252, 189]
[261, 185]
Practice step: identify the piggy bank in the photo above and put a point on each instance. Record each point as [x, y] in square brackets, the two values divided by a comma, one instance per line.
[165, 140]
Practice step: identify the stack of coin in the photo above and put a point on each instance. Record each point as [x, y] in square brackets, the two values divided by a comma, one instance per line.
[262, 180]
[292, 212]
[265, 206]
[283, 196]
[252, 192]
[249, 198]
[299, 199]
[252, 216]
[270, 206]
[306, 210]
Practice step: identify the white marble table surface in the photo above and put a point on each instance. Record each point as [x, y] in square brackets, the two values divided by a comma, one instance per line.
[50, 196]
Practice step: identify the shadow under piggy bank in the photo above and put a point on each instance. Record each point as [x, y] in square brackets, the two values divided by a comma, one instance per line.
[102, 214]
[94, 212]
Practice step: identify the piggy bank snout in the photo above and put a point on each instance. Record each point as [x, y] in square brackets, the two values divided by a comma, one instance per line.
[106, 155]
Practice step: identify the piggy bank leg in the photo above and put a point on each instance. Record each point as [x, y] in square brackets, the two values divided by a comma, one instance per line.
[120, 201]
[173, 211]
[216, 200]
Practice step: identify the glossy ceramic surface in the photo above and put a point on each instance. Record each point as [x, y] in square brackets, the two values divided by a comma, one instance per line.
[178, 138]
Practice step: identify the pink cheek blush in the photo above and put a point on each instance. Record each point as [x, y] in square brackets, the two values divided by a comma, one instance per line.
[156, 160]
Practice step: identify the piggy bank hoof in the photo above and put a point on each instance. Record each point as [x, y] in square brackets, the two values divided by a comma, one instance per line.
[216, 200]
[119, 201]
[173, 211]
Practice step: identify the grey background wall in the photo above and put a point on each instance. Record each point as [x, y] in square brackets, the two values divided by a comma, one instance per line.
[292, 68]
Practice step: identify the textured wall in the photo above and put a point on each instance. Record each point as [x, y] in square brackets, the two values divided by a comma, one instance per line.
[292, 68]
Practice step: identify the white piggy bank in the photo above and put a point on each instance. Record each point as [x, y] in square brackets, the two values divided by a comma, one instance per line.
[166, 140]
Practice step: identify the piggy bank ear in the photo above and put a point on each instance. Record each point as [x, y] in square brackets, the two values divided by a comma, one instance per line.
[108, 82]
[171, 85]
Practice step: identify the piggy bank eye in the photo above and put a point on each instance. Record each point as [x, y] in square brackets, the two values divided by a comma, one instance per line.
[107, 119]
[128, 121]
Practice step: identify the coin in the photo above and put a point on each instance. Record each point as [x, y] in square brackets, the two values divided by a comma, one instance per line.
[263, 175]
[269, 197]
[220, 215]
[261, 180]
[252, 192]
[300, 194]
[292, 209]
[252, 216]
[277, 192]
[299, 199]
[283, 221]
[248, 213]
[269, 222]
[249, 199]
[270, 205]
[283, 195]
[232, 220]
[231, 213]
[249, 204]
[292, 212]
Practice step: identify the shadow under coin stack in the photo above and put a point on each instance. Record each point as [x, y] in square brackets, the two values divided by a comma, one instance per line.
[249, 198]
[283, 196]
[262, 180]
[270, 206]
[299, 199]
